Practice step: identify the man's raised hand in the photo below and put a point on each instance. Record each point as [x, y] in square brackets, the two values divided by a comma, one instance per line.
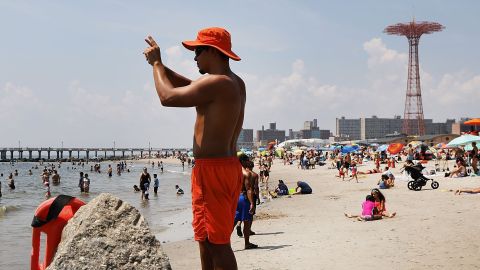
[152, 53]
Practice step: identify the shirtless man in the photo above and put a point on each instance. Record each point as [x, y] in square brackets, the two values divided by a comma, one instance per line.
[410, 152]
[219, 99]
[55, 178]
[256, 196]
[246, 202]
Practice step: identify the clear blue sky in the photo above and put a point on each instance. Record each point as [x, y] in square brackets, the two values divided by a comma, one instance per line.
[73, 71]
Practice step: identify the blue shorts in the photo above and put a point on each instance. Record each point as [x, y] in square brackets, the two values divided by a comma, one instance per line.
[382, 185]
[243, 208]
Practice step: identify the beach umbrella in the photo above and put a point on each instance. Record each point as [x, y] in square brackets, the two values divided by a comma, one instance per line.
[463, 140]
[349, 149]
[415, 144]
[441, 145]
[472, 122]
[297, 152]
[190, 154]
[468, 147]
[382, 148]
[394, 148]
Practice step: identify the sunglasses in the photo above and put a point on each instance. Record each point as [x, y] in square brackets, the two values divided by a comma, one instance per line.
[199, 50]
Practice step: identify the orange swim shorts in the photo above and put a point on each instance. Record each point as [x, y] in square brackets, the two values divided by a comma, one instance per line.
[216, 184]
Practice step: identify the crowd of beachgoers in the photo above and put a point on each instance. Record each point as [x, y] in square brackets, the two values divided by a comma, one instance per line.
[455, 162]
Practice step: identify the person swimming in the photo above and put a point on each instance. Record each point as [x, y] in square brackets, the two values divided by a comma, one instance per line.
[179, 190]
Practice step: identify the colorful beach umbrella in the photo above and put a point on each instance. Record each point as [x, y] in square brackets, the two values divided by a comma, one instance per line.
[464, 140]
[472, 122]
[394, 148]
[350, 148]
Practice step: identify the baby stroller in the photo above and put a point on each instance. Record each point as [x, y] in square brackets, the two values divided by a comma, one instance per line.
[419, 180]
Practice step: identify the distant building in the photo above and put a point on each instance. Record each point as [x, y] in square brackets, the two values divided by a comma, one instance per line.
[348, 128]
[265, 136]
[310, 131]
[459, 128]
[245, 139]
[374, 127]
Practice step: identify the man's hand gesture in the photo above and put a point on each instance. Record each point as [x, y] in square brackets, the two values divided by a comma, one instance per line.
[152, 53]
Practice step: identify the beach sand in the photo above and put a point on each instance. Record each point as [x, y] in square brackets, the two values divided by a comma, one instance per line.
[433, 229]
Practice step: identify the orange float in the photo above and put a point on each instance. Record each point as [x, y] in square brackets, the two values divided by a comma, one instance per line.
[395, 148]
[50, 218]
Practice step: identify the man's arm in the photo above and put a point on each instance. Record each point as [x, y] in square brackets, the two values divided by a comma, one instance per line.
[176, 79]
[248, 188]
[175, 90]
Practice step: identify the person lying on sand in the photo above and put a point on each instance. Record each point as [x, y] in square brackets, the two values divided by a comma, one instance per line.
[467, 190]
[375, 170]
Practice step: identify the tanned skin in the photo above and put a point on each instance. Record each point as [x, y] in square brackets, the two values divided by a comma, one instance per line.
[247, 188]
[219, 99]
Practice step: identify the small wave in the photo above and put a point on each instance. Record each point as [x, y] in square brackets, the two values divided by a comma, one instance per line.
[173, 210]
[8, 208]
[184, 173]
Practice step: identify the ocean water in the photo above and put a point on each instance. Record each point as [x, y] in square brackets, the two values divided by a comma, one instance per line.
[167, 214]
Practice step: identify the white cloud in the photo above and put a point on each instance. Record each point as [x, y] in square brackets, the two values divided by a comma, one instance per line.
[133, 117]
[379, 54]
[17, 101]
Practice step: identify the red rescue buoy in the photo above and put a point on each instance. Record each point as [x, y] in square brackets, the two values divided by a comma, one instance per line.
[50, 218]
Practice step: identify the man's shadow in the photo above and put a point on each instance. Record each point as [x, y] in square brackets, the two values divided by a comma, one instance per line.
[266, 247]
[272, 233]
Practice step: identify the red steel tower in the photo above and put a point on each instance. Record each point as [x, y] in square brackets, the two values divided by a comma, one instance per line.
[413, 121]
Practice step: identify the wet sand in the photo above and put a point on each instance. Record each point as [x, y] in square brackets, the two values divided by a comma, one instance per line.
[433, 229]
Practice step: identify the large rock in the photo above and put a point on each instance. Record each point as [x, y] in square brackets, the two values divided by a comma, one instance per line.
[108, 233]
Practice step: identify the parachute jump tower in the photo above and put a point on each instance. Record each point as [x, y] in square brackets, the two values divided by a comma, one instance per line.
[413, 120]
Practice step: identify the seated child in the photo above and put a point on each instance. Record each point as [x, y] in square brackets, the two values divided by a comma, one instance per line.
[367, 209]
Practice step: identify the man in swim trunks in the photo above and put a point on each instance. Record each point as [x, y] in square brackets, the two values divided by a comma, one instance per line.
[246, 202]
[219, 99]
[248, 167]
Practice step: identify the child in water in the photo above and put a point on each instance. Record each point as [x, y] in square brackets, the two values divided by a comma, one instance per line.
[147, 187]
[155, 183]
[46, 183]
[86, 183]
[179, 190]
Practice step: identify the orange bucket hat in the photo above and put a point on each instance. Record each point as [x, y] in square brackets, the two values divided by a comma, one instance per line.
[216, 37]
